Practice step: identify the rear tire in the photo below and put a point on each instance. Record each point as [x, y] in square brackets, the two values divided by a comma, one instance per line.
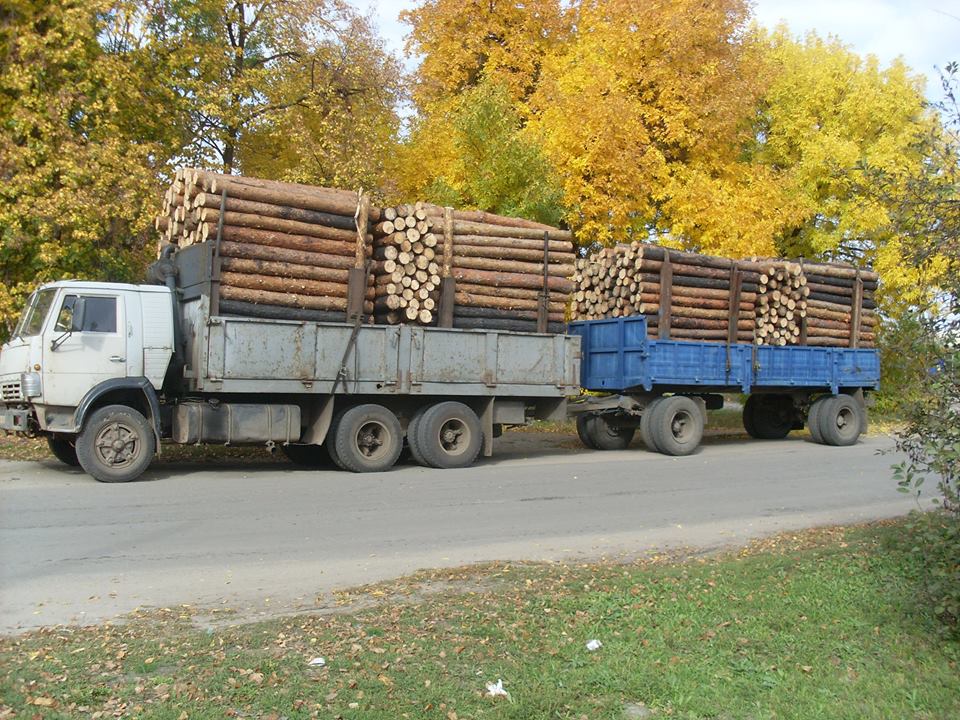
[116, 444]
[840, 420]
[449, 435]
[368, 438]
[768, 417]
[607, 436]
[63, 449]
[677, 425]
[312, 456]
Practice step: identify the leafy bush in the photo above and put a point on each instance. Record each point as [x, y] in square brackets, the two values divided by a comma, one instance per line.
[931, 443]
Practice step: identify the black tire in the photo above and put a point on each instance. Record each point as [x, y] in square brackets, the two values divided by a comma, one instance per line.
[64, 449]
[449, 435]
[677, 425]
[412, 442]
[312, 456]
[607, 435]
[584, 431]
[116, 444]
[769, 417]
[813, 419]
[368, 438]
[646, 423]
[330, 442]
[840, 420]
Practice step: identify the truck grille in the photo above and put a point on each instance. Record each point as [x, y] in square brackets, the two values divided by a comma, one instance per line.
[10, 392]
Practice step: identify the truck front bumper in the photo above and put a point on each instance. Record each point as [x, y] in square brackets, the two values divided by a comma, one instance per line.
[15, 420]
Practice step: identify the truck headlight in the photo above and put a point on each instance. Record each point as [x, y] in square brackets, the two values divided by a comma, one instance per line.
[30, 384]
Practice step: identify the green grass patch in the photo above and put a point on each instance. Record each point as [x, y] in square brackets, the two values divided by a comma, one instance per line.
[822, 624]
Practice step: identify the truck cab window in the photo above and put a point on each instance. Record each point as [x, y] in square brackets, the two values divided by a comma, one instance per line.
[99, 314]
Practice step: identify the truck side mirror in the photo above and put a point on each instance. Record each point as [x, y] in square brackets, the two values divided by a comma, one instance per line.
[76, 322]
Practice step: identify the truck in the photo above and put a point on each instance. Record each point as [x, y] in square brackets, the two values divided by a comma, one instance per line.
[109, 372]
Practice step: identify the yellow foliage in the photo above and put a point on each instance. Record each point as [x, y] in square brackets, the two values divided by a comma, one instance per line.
[644, 114]
[462, 42]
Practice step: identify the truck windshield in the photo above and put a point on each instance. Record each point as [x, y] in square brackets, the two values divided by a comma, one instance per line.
[31, 322]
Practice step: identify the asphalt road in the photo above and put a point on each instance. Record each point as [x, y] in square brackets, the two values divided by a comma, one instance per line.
[272, 538]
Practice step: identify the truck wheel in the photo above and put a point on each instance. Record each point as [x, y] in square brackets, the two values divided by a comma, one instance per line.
[677, 425]
[116, 444]
[367, 438]
[768, 417]
[607, 435]
[646, 422]
[449, 435]
[412, 441]
[584, 430]
[840, 419]
[63, 449]
[813, 419]
[313, 456]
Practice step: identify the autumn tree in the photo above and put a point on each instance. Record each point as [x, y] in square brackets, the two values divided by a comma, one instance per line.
[459, 43]
[829, 123]
[282, 88]
[80, 148]
[645, 113]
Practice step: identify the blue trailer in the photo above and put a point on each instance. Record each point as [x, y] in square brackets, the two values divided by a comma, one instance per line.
[664, 387]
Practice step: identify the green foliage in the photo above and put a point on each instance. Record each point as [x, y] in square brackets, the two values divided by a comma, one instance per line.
[79, 151]
[486, 160]
[907, 352]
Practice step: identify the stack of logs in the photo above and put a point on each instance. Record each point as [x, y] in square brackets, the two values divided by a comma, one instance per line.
[841, 309]
[406, 274]
[781, 303]
[483, 271]
[285, 250]
[687, 296]
[503, 273]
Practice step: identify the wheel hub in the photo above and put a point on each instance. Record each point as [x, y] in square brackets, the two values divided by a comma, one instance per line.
[454, 436]
[116, 444]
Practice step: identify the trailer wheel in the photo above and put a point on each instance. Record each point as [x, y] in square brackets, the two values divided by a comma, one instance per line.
[768, 417]
[63, 449]
[813, 419]
[677, 425]
[607, 435]
[585, 431]
[116, 444]
[368, 438]
[449, 435]
[313, 456]
[646, 424]
[840, 420]
[412, 442]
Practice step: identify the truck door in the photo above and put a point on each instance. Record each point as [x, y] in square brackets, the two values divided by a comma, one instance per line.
[76, 362]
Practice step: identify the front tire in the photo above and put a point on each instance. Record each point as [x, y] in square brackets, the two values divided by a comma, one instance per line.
[63, 449]
[840, 421]
[116, 444]
[367, 438]
[677, 425]
[585, 431]
[608, 436]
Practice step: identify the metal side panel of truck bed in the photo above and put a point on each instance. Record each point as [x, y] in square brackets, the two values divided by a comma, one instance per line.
[251, 355]
[619, 357]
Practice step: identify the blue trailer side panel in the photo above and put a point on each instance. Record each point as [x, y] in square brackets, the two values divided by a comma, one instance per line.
[618, 356]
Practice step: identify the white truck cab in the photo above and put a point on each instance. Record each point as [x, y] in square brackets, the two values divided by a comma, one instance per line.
[80, 347]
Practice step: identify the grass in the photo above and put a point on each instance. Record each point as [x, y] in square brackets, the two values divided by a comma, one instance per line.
[821, 624]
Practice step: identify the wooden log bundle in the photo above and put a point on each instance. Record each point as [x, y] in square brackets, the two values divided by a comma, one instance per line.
[698, 297]
[283, 250]
[470, 269]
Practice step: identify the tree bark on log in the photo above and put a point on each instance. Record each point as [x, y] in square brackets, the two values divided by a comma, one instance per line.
[272, 224]
[283, 269]
[510, 280]
[280, 240]
[283, 212]
[250, 251]
[266, 297]
[277, 312]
